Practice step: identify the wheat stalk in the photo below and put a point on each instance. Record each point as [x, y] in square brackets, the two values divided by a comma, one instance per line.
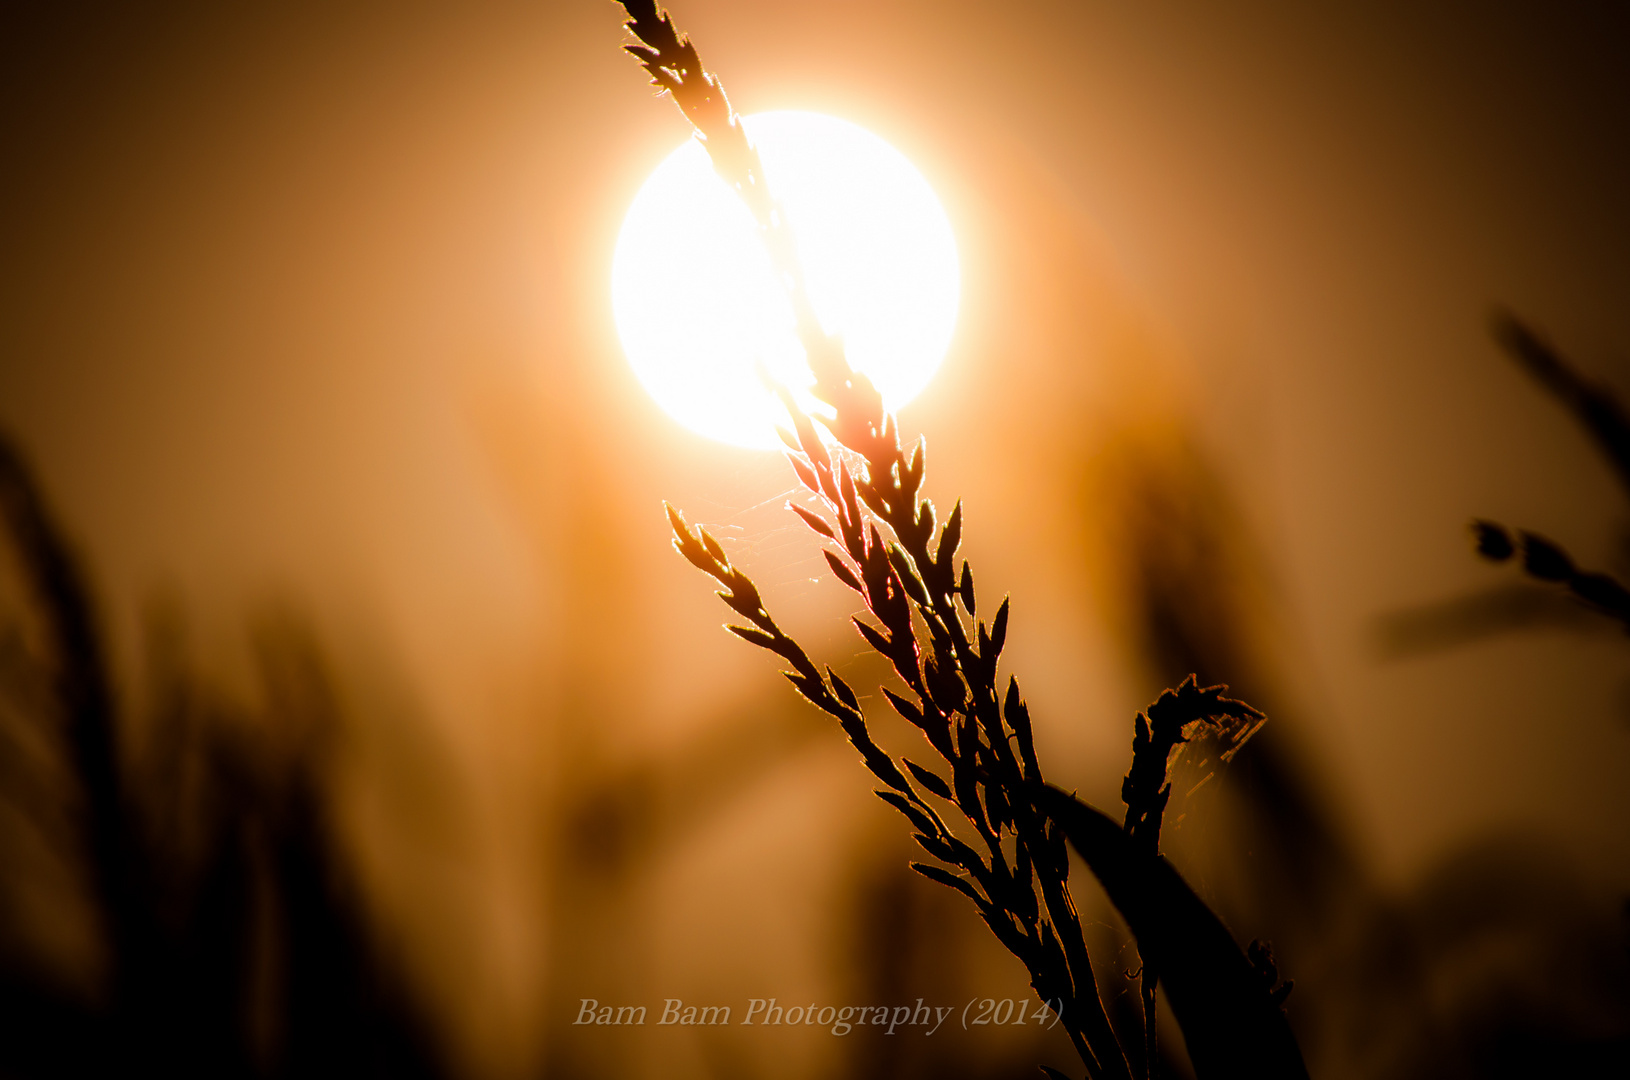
[888, 546]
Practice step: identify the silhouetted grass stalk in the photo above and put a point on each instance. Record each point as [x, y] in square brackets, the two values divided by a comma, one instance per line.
[892, 551]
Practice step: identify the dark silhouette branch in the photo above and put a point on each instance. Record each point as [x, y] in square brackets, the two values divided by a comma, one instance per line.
[890, 549]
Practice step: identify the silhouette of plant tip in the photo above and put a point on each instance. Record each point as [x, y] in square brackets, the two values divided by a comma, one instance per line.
[1493, 542]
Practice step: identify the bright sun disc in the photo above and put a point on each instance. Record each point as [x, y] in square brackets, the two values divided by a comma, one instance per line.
[697, 303]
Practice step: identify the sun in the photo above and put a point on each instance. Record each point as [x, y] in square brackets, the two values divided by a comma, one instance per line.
[702, 316]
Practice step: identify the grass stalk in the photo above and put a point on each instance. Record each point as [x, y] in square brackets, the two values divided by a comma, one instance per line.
[884, 541]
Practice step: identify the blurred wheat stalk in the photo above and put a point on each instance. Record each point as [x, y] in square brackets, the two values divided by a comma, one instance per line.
[892, 551]
[1598, 411]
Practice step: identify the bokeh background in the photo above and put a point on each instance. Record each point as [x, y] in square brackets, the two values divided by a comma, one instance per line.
[423, 733]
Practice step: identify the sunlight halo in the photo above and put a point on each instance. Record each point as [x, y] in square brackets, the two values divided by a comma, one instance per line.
[697, 304]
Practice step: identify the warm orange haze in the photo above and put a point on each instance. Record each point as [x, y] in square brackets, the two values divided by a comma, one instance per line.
[426, 738]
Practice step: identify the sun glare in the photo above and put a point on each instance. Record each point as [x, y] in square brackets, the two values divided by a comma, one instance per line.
[696, 300]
